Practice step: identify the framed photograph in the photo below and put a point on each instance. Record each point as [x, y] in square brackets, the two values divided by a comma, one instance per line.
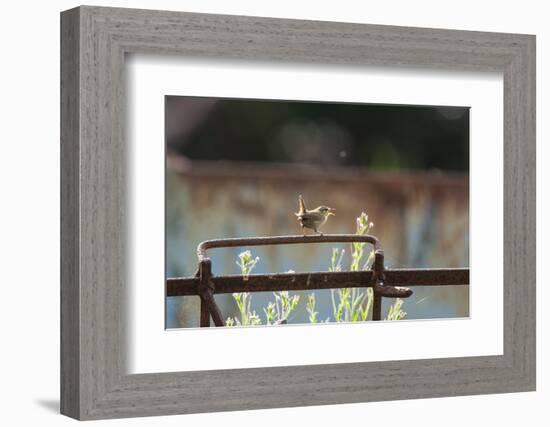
[261, 213]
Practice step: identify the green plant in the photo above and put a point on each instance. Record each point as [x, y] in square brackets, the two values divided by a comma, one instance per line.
[247, 262]
[348, 304]
[270, 313]
[336, 260]
[363, 226]
[353, 304]
[310, 308]
[395, 312]
[278, 312]
[248, 317]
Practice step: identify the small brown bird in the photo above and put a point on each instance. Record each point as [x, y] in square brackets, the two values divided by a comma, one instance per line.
[312, 219]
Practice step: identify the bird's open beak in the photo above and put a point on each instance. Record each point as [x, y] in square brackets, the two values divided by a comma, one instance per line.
[331, 211]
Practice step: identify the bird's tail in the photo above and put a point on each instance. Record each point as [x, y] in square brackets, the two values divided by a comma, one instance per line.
[301, 205]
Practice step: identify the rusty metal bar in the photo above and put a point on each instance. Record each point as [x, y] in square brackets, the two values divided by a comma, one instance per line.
[204, 320]
[206, 290]
[377, 306]
[286, 240]
[205, 315]
[320, 280]
[378, 288]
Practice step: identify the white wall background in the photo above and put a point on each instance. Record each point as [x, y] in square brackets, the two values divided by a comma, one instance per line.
[29, 214]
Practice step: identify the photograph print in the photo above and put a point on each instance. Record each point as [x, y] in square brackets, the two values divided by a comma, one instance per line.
[291, 176]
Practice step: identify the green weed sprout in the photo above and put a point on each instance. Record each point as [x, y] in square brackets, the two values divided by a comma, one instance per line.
[276, 312]
[248, 317]
[353, 304]
[336, 260]
[395, 312]
[247, 263]
[270, 313]
[310, 307]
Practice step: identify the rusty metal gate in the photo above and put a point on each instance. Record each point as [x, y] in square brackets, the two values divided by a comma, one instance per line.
[390, 283]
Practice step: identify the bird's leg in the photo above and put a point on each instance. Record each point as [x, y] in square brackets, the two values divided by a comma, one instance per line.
[303, 231]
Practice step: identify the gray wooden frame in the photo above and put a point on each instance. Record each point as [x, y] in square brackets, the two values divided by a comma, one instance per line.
[94, 41]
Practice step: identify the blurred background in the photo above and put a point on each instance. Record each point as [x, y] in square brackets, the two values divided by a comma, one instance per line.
[235, 168]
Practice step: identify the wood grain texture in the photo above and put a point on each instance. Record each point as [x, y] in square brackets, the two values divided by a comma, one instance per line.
[70, 292]
[94, 267]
